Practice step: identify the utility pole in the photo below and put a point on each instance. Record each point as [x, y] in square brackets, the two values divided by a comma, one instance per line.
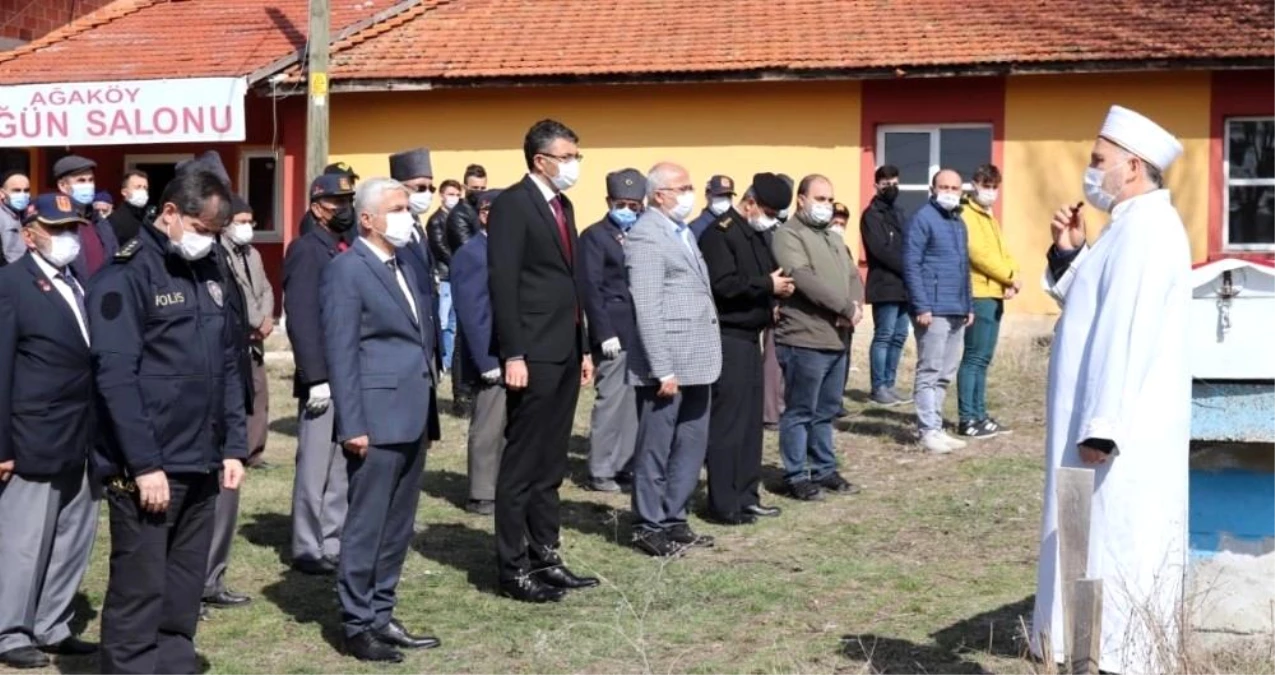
[316, 129]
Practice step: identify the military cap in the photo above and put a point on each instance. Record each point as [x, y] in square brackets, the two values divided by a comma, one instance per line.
[239, 205]
[52, 208]
[487, 197]
[209, 161]
[340, 169]
[720, 186]
[771, 191]
[104, 197]
[331, 185]
[72, 164]
[411, 164]
[626, 184]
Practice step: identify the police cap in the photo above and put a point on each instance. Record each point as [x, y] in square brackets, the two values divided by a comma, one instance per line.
[331, 185]
[721, 186]
[52, 208]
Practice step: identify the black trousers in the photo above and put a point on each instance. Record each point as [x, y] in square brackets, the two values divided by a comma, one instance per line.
[158, 561]
[533, 465]
[735, 428]
[385, 489]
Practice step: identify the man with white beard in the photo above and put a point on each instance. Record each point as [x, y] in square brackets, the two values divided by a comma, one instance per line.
[1119, 398]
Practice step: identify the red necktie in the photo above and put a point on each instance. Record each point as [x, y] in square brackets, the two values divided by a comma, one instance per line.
[560, 216]
[341, 246]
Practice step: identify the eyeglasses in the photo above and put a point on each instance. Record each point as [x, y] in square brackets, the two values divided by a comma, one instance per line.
[680, 190]
[564, 158]
[420, 188]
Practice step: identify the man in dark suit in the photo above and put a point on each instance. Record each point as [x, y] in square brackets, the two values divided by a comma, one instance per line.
[604, 291]
[48, 514]
[318, 493]
[379, 340]
[481, 356]
[531, 263]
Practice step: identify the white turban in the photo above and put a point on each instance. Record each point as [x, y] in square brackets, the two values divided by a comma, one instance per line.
[1141, 136]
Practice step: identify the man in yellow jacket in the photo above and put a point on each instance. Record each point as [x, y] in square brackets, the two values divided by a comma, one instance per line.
[994, 279]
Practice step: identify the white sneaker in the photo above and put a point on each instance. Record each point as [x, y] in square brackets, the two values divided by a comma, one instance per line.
[936, 443]
[953, 443]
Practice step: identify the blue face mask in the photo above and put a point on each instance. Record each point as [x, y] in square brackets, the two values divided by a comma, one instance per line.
[18, 201]
[83, 193]
[623, 217]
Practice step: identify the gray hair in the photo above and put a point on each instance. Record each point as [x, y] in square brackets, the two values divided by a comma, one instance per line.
[369, 193]
[659, 177]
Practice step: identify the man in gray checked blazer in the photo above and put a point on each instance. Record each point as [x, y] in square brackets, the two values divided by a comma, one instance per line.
[678, 358]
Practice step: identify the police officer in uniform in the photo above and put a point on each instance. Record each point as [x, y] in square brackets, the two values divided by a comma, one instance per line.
[719, 193]
[165, 362]
[746, 282]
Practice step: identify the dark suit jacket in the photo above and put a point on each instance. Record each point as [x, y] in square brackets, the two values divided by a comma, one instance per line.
[47, 419]
[379, 355]
[472, 300]
[604, 285]
[302, 270]
[533, 289]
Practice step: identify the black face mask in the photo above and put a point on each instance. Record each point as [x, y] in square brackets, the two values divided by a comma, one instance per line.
[472, 198]
[888, 193]
[342, 220]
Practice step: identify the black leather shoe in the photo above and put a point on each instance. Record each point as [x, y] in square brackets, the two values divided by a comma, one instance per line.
[763, 511]
[318, 568]
[481, 507]
[657, 544]
[367, 647]
[71, 646]
[24, 657]
[683, 534]
[227, 599]
[395, 635]
[530, 589]
[743, 518]
[805, 491]
[837, 484]
[559, 576]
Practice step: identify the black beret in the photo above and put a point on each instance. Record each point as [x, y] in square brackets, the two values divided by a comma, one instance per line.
[771, 191]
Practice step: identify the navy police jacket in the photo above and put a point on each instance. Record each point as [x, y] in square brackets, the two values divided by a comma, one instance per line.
[165, 362]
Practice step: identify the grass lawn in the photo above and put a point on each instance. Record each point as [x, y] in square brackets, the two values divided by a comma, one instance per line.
[929, 569]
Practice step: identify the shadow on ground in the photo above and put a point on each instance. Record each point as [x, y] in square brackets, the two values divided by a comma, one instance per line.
[271, 530]
[461, 548]
[305, 598]
[285, 425]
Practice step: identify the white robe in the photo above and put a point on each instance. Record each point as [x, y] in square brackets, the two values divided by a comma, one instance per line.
[1119, 372]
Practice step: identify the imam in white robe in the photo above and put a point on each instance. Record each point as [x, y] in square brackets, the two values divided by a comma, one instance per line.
[1119, 372]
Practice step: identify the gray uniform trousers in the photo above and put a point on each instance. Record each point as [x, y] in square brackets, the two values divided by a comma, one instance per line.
[486, 440]
[225, 519]
[47, 527]
[671, 444]
[614, 422]
[773, 378]
[319, 491]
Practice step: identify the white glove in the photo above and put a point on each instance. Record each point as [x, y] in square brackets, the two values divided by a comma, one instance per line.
[492, 376]
[319, 400]
[611, 348]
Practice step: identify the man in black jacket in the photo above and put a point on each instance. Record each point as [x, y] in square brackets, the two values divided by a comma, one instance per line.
[319, 491]
[882, 230]
[48, 512]
[128, 218]
[463, 225]
[436, 232]
[746, 283]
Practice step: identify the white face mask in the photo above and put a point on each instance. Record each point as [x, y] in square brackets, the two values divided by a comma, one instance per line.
[568, 174]
[719, 205]
[820, 213]
[1098, 197]
[193, 245]
[419, 201]
[783, 214]
[398, 228]
[947, 200]
[985, 197]
[63, 249]
[138, 198]
[241, 233]
[685, 203]
[450, 202]
[762, 222]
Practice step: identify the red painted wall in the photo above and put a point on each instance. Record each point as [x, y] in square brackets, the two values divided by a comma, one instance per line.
[1235, 93]
[28, 20]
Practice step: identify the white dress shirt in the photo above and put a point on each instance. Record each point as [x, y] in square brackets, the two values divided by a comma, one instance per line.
[545, 188]
[398, 274]
[65, 291]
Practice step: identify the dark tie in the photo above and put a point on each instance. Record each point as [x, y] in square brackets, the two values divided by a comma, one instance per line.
[69, 280]
[247, 269]
[561, 216]
[392, 263]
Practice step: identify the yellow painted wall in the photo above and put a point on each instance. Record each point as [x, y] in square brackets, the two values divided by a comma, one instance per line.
[735, 129]
[1050, 125]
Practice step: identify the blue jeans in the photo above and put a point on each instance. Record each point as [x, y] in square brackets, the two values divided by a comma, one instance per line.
[980, 346]
[447, 317]
[814, 382]
[890, 323]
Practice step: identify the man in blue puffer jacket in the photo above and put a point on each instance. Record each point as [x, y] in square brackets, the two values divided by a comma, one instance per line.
[936, 270]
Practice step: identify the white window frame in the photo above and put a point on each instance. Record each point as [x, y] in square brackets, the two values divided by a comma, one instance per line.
[275, 234]
[933, 130]
[1228, 183]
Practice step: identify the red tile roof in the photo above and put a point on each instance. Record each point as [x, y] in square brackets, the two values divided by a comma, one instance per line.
[513, 39]
[145, 39]
[453, 41]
